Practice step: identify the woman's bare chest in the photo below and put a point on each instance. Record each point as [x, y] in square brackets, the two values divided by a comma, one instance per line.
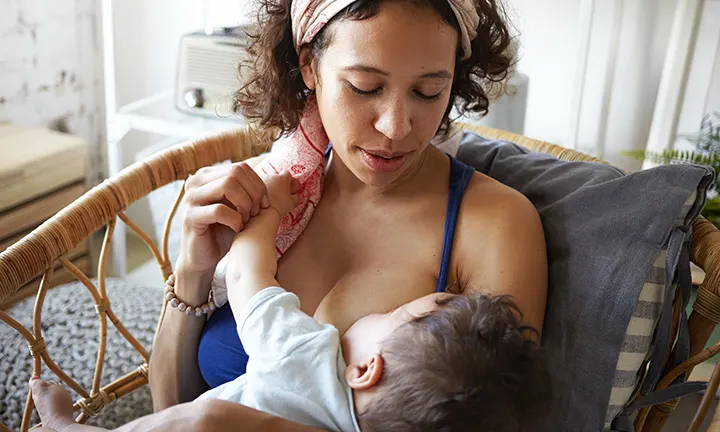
[350, 263]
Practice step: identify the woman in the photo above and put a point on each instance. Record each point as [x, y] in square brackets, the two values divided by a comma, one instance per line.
[385, 75]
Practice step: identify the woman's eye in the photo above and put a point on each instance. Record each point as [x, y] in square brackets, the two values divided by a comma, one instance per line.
[363, 92]
[374, 91]
[426, 97]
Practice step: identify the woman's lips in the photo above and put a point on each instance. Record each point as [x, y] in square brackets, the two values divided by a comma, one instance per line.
[380, 163]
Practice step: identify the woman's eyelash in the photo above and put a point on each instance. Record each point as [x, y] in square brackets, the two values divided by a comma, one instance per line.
[375, 91]
[363, 92]
[426, 97]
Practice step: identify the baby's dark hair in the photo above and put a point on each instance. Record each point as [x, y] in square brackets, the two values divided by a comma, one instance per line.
[469, 365]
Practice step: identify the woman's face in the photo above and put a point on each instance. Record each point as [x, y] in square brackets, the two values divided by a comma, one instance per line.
[383, 85]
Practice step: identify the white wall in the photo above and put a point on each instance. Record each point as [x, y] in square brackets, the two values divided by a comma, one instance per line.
[549, 37]
[713, 100]
[547, 57]
[147, 37]
[51, 69]
[702, 95]
[644, 40]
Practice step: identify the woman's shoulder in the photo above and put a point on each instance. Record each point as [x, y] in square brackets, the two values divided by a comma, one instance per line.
[494, 217]
[493, 201]
[500, 246]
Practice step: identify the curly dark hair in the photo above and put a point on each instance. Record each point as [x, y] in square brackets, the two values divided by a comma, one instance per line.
[469, 365]
[274, 93]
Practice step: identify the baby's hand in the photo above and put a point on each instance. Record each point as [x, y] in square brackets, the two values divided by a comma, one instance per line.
[282, 189]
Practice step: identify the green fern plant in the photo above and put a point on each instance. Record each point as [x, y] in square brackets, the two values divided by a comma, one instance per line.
[707, 153]
[708, 139]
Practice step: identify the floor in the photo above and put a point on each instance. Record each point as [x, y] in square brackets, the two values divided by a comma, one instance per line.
[142, 268]
[681, 418]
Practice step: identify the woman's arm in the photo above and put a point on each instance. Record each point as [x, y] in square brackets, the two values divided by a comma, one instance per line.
[212, 415]
[174, 374]
[219, 201]
[501, 248]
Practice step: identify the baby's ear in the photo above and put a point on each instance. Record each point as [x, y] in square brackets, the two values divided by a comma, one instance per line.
[366, 375]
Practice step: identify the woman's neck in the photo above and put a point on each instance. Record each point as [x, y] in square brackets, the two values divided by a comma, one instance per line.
[416, 177]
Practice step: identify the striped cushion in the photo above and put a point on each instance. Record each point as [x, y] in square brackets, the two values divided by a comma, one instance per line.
[639, 334]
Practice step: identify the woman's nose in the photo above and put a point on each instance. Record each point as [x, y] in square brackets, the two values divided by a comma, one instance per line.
[394, 120]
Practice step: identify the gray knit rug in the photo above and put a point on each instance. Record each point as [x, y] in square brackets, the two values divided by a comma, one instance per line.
[71, 329]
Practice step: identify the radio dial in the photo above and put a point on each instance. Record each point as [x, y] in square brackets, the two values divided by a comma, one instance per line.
[194, 98]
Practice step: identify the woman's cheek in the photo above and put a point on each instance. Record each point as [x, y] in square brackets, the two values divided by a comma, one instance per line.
[352, 112]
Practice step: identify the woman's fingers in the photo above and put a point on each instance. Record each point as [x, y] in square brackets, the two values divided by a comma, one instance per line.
[201, 217]
[253, 185]
[223, 190]
[206, 175]
[237, 183]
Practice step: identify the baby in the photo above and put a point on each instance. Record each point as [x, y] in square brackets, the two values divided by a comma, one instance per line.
[442, 362]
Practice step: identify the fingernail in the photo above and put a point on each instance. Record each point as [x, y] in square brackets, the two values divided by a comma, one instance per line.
[265, 201]
[255, 210]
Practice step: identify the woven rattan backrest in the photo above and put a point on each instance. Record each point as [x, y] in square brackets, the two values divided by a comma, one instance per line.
[99, 208]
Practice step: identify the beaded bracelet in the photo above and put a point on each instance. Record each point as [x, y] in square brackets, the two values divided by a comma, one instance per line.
[175, 302]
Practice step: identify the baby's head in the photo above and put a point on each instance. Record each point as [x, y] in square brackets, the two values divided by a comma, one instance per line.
[448, 363]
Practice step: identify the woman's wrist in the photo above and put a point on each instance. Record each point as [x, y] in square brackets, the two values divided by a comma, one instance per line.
[192, 287]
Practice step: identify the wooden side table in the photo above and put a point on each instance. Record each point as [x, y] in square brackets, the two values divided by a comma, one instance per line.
[41, 172]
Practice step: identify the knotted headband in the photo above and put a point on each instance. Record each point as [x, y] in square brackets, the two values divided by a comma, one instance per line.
[310, 16]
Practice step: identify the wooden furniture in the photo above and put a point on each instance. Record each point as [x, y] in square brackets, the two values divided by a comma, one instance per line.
[102, 206]
[41, 172]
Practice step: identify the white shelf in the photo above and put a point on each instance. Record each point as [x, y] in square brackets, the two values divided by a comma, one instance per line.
[157, 114]
[159, 118]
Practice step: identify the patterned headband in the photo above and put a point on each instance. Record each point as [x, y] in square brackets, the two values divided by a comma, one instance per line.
[310, 16]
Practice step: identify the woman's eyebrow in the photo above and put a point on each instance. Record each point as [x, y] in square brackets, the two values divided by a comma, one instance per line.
[437, 74]
[364, 68]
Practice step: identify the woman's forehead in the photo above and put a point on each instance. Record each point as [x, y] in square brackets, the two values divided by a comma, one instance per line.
[394, 39]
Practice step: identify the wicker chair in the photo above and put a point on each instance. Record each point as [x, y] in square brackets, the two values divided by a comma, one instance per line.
[100, 208]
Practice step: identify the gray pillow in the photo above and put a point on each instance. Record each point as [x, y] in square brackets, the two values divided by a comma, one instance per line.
[604, 230]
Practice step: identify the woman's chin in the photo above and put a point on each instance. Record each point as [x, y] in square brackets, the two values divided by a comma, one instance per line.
[376, 179]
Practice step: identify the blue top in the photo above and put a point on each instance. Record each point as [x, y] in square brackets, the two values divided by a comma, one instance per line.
[221, 356]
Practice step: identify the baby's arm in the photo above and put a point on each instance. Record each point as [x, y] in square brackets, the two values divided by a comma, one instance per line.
[252, 262]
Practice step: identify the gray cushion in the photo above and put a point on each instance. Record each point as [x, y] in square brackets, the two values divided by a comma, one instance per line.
[604, 230]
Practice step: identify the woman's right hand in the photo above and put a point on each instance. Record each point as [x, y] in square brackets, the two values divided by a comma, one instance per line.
[219, 202]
